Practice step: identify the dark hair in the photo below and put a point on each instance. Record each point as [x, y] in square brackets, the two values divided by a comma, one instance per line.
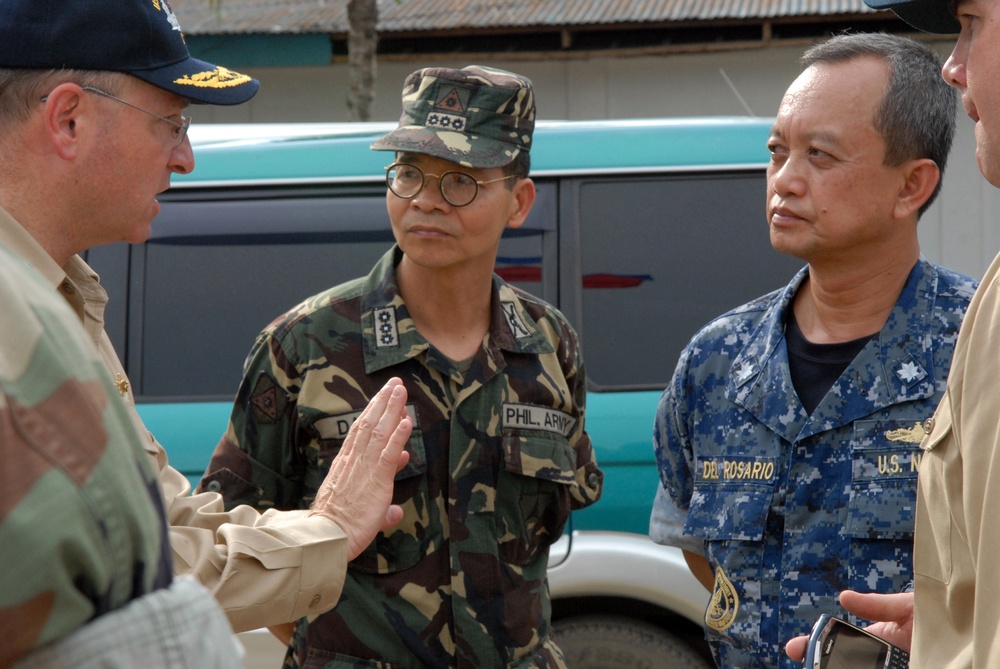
[916, 116]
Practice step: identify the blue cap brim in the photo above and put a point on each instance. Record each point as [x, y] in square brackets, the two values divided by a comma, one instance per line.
[201, 82]
[931, 16]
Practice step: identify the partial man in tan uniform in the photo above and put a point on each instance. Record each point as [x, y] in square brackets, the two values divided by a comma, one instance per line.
[86, 579]
[92, 125]
[952, 619]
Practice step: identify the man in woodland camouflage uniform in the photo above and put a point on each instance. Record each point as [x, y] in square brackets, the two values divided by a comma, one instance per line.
[788, 439]
[86, 578]
[498, 455]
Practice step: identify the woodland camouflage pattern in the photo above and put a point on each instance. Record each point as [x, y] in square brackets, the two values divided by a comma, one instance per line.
[498, 458]
[791, 508]
[477, 117]
[82, 531]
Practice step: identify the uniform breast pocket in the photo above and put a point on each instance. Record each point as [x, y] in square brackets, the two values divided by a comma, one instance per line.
[732, 519]
[884, 463]
[406, 543]
[533, 495]
[881, 511]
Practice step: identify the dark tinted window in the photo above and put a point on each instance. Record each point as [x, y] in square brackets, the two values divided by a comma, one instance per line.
[660, 257]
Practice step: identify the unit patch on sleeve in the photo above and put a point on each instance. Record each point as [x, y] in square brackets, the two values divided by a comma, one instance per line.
[725, 603]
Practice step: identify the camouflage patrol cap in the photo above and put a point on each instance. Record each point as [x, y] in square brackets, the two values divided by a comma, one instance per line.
[477, 116]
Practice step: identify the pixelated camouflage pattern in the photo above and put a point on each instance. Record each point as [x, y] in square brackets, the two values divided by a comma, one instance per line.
[795, 508]
[461, 581]
[478, 116]
[82, 530]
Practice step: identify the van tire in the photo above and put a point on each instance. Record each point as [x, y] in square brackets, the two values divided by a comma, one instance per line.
[611, 642]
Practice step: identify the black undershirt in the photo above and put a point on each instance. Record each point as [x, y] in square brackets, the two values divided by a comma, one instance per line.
[816, 367]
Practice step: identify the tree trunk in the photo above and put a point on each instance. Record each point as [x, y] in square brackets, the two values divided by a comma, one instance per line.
[362, 41]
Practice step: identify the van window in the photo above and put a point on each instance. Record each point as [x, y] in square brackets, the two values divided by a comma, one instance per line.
[660, 257]
[220, 266]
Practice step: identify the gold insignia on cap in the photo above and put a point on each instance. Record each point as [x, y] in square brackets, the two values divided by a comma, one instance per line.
[721, 613]
[220, 77]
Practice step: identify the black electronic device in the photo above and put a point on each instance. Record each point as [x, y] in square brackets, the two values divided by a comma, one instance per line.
[837, 644]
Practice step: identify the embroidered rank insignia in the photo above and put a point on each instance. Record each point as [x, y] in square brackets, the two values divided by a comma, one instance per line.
[220, 77]
[517, 326]
[445, 121]
[909, 372]
[386, 330]
[725, 603]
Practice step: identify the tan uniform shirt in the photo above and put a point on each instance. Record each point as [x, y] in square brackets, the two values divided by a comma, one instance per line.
[957, 580]
[264, 569]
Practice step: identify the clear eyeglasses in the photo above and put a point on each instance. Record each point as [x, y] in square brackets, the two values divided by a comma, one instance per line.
[180, 129]
[457, 188]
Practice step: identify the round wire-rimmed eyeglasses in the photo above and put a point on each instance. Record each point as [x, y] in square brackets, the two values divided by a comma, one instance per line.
[457, 188]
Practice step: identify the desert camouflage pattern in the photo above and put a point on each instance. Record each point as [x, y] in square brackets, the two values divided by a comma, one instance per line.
[477, 117]
[498, 459]
[82, 530]
[791, 508]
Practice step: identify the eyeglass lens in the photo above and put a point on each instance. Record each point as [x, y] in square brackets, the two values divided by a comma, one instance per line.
[458, 188]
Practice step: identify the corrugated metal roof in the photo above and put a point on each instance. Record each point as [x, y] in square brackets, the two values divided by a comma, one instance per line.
[330, 16]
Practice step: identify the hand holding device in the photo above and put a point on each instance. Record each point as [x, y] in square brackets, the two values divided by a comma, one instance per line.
[837, 644]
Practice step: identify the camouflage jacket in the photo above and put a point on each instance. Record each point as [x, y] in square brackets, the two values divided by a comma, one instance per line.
[498, 458]
[790, 508]
[82, 529]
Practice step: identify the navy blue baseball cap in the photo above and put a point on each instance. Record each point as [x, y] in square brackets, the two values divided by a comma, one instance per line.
[931, 16]
[138, 37]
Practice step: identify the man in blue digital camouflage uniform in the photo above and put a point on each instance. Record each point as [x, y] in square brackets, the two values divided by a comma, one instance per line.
[788, 439]
[498, 455]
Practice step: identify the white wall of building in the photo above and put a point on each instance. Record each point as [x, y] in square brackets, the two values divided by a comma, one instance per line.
[961, 230]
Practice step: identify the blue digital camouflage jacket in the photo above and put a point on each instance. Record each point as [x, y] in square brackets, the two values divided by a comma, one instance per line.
[790, 508]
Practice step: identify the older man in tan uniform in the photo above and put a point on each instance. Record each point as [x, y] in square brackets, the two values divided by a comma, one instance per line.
[91, 129]
[952, 619]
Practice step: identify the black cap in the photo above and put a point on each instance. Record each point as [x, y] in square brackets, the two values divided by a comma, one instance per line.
[139, 37]
[932, 16]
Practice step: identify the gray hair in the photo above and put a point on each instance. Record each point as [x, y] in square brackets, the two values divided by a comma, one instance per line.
[916, 116]
[21, 90]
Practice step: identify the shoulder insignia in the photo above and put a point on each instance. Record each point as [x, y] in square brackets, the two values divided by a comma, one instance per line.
[721, 613]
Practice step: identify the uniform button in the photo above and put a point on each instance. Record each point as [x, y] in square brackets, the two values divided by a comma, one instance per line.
[928, 425]
[315, 601]
[592, 480]
[68, 288]
[214, 486]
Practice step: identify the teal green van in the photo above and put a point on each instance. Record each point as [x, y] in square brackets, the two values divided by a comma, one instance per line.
[643, 230]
